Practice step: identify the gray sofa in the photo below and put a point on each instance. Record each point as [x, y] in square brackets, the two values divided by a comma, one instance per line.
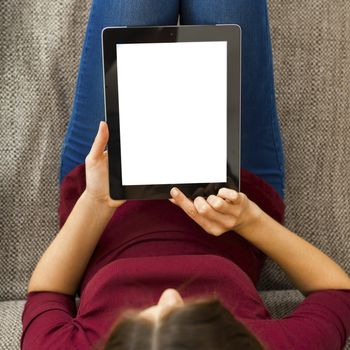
[40, 47]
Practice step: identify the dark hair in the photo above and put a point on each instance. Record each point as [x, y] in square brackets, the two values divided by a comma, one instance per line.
[197, 325]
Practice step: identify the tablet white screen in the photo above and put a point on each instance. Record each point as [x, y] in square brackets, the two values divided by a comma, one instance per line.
[173, 112]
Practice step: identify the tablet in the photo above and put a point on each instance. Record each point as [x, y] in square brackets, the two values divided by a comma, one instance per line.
[172, 105]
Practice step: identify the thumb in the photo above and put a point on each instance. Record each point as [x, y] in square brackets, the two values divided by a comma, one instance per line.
[100, 141]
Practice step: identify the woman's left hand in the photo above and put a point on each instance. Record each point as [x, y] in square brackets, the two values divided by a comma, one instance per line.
[96, 168]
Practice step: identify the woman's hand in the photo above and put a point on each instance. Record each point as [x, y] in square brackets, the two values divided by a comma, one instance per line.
[229, 210]
[96, 168]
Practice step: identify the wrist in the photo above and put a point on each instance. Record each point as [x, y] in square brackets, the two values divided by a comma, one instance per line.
[99, 205]
[253, 219]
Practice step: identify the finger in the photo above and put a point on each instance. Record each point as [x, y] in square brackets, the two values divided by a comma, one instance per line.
[231, 195]
[208, 212]
[219, 204]
[184, 203]
[100, 141]
[189, 208]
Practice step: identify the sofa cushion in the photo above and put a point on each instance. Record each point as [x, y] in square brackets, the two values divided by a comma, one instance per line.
[38, 66]
[11, 324]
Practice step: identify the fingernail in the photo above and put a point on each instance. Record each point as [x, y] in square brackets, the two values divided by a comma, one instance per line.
[174, 192]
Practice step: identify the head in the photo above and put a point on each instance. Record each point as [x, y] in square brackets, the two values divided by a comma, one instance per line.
[174, 324]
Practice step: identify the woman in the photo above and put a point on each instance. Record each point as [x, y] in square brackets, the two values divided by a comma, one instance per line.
[179, 274]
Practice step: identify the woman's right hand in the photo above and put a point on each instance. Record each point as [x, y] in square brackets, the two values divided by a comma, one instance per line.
[228, 210]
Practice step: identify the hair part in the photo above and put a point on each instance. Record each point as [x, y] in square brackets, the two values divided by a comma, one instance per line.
[198, 325]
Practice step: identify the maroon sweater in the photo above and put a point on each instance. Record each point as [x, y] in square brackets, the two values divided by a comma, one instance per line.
[149, 246]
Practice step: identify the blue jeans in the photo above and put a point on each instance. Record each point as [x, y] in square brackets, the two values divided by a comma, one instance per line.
[262, 149]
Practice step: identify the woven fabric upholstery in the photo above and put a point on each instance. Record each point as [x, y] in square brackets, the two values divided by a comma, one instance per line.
[10, 325]
[40, 46]
[281, 302]
[312, 74]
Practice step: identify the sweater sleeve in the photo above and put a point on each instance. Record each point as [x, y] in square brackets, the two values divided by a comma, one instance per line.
[321, 321]
[72, 187]
[48, 323]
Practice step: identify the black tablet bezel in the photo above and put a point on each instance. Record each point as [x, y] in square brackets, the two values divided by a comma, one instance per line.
[112, 36]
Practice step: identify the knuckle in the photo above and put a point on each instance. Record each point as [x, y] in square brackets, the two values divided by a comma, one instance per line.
[228, 193]
[209, 228]
[211, 198]
[231, 223]
[88, 160]
[243, 196]
[203, 209]
[233, 195]
[191, 212]
[216, 231]
[217, 204]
